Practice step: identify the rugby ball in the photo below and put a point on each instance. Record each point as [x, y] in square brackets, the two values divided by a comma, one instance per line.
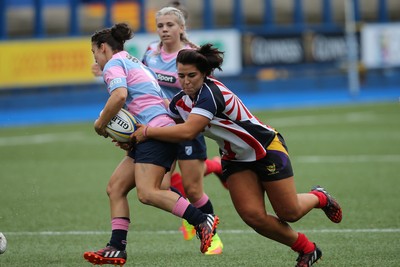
[3, 243]
[121, 126]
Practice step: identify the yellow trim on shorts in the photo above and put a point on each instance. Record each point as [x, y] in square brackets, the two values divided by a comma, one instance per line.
[276, 144]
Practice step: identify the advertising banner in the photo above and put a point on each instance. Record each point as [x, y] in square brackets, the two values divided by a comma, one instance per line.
[30, 63]
[310, 47]
[45, 62]
[380, 45]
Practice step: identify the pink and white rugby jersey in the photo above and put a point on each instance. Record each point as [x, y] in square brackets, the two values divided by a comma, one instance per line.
[164, 65]
[239, 134]
[145, 98]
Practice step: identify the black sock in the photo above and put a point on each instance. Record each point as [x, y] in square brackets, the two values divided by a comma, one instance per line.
[194, 216]
[207, 208]
[118, 239]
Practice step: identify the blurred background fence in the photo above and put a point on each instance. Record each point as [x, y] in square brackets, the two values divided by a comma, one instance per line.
[277, 52]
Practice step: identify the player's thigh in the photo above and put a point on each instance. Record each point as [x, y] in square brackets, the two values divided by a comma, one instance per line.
[247, 193]
[191, 157]
[282, 195]
[148, 181]
[148, 176]
[192, 171]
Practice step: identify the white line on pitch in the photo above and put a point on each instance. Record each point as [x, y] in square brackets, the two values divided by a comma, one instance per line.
[165, 232]
[347, 158]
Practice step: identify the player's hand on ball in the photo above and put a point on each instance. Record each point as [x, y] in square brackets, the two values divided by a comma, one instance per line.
[124, 146]
[100, 130]
[140, 134]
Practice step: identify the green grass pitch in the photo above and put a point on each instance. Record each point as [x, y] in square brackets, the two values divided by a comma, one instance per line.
[53, 204]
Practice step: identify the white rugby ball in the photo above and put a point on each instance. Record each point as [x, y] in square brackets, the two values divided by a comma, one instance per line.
[121, 126]
[3, 243]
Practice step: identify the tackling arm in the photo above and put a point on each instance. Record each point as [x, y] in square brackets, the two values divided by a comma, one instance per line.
[188, 130]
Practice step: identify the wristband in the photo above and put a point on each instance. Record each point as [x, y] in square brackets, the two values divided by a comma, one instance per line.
[145, 131]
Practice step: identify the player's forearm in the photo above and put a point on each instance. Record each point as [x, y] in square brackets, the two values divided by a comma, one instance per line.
[115, 102]
[175, 134]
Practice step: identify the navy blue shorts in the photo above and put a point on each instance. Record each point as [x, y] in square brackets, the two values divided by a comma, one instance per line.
[274, 166]
[155, 152]
[193, 149]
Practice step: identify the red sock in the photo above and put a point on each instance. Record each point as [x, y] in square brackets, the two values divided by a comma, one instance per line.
[323, 201]
[213, 166]
[176, 182]
[303, 245]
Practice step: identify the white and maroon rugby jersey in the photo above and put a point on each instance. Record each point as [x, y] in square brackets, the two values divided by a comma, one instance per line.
[238, 133]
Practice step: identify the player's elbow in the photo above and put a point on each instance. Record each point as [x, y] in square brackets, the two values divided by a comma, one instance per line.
[119, 95]
[120, 98]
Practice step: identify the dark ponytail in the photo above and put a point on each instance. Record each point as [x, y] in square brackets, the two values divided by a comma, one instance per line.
[206, 58]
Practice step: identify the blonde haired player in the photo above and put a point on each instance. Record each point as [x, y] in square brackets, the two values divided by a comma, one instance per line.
[192, 154]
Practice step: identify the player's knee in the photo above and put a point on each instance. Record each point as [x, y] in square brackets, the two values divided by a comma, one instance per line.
[289, 215]
[114, 193]
[116, 190]
[193, 193]
[144, 197]
[252, 218]
[110, 189]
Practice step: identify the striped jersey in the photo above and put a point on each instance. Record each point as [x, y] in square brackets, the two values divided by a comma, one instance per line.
[238, 133]
[164, 65]
[145, 99]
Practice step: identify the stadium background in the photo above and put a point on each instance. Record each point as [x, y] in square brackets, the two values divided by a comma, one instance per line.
[279, 54]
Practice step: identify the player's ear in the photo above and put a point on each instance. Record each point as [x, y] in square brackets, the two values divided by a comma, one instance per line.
[103, 47]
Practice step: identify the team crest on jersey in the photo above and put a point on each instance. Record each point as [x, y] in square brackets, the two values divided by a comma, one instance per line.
[188, 150]
[272, 169]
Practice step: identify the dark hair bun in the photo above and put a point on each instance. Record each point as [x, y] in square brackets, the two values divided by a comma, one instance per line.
[121, 32]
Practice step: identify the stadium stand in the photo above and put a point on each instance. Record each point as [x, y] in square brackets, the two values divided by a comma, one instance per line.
[293, 51]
